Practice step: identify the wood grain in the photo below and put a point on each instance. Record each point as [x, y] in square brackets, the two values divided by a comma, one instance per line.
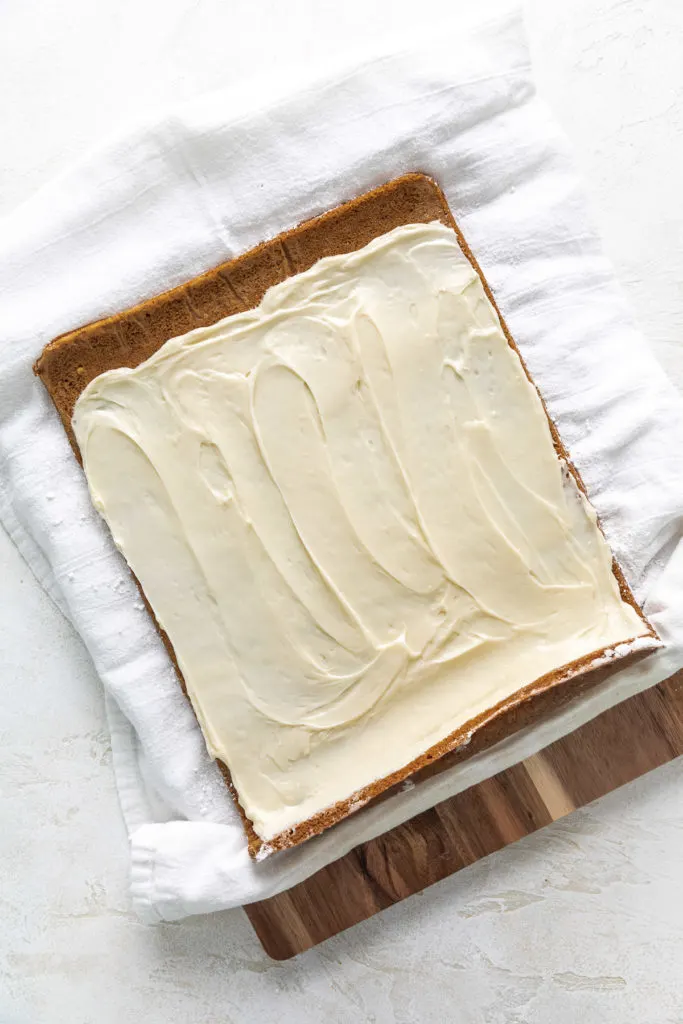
[616, 747]
[628, 742]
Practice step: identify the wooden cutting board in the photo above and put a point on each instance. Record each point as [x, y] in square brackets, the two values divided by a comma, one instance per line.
[620, 745]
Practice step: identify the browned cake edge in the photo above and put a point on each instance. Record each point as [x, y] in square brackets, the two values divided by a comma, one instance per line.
[71, 361]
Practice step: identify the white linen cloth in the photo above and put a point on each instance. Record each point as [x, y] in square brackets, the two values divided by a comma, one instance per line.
[204, 183]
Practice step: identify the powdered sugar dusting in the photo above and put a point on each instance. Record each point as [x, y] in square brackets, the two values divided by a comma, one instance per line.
[638, 644]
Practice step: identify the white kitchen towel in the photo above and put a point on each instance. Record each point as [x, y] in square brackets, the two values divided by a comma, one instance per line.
[179, 195]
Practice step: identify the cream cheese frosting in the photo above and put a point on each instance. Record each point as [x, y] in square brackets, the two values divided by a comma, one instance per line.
[346, 511]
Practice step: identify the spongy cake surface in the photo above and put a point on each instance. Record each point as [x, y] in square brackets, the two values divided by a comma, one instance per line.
[70, 362]
[413, 643]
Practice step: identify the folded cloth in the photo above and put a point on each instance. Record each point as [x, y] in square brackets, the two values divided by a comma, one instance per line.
[197, 187]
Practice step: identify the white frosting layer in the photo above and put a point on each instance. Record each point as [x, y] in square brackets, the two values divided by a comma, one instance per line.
[346, 511]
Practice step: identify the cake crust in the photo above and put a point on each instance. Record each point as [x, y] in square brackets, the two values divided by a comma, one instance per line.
[72, 360]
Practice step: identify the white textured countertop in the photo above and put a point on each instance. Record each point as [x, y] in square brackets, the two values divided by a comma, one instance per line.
[581, 922]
